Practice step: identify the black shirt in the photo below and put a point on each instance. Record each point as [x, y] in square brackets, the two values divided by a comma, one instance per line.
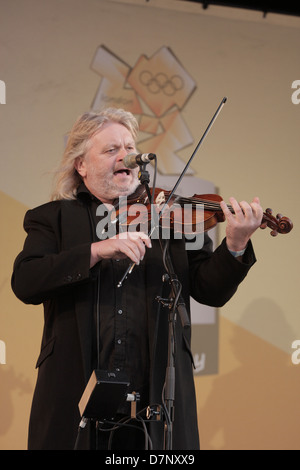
[122, 338]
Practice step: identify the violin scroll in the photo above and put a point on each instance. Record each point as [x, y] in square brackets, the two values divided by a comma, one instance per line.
[278, 224]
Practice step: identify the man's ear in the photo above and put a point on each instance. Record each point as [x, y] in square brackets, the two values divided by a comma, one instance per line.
[80, 166]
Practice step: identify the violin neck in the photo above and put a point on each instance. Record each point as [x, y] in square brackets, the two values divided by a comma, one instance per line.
[206, 203]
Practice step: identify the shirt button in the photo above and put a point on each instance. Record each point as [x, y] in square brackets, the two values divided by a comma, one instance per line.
[120, 312]
[119, 341]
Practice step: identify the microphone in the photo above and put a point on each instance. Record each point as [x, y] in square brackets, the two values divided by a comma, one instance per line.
[133, 160]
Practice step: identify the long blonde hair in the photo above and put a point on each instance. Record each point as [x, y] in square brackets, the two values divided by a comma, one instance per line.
[67, 179]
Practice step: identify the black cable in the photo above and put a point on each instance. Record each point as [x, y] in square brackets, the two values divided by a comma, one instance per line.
[81, 426]
[125, 422]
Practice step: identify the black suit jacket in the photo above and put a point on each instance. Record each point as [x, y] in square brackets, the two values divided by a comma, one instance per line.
[53, 269]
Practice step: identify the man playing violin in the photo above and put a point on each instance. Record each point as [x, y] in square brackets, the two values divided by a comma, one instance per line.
[90, 323]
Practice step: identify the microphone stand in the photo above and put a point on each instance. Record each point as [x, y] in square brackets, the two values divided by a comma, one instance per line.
[175, 302]
[176, 306]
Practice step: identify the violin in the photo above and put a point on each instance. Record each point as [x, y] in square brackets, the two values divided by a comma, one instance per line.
[211, 213]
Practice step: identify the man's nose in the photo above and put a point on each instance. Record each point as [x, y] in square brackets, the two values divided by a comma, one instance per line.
[121, 154]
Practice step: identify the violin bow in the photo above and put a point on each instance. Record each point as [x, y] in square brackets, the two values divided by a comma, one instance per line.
[131, 266]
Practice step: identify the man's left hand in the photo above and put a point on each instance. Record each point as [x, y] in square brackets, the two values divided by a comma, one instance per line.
[241, 224]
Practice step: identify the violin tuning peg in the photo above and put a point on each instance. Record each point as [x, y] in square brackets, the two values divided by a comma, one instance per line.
[274, 233]
[279, 216]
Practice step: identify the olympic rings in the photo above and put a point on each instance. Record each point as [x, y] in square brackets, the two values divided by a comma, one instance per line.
[161, 82]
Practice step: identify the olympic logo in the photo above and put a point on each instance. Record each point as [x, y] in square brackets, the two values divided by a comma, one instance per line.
[161, 82]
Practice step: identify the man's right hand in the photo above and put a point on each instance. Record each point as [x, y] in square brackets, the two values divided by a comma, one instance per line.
[130, 245]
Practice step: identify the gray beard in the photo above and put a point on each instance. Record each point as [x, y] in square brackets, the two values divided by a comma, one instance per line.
[112, 191]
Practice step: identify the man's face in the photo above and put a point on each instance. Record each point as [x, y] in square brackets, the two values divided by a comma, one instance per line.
[102, 168]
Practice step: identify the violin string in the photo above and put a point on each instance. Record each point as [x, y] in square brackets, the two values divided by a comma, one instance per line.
[209, 205]
[213, 205]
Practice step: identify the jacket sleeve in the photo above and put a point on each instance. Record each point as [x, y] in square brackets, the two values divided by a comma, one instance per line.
[42, 270]
[215, 276]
